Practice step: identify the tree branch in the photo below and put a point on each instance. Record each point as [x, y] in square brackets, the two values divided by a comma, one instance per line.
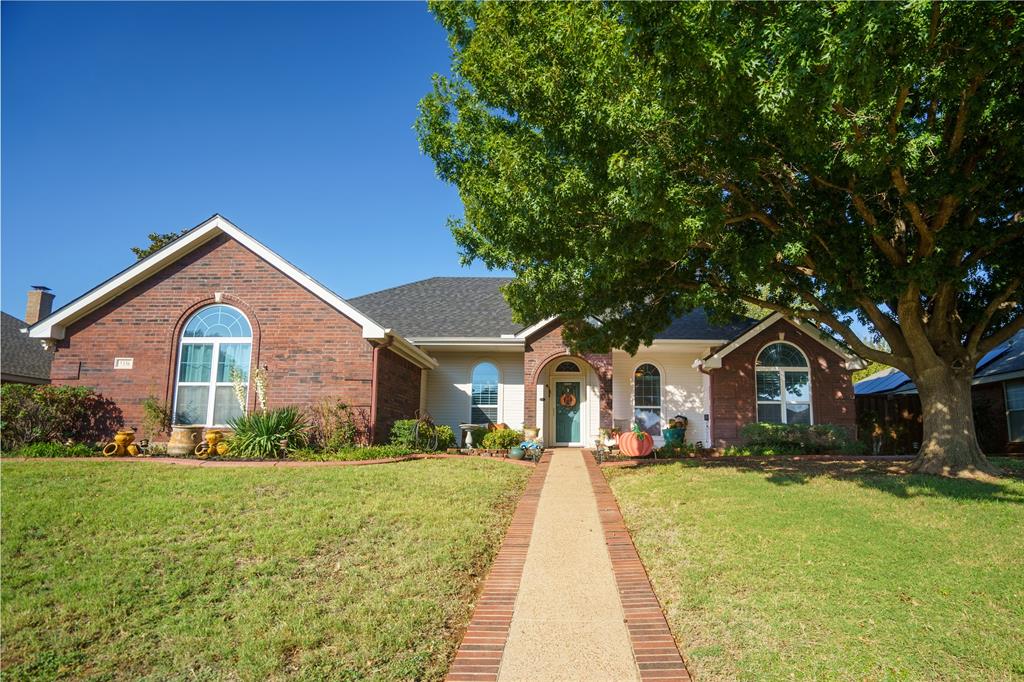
[959, 129]
[990, 342]
[927, 239]
[986, 316]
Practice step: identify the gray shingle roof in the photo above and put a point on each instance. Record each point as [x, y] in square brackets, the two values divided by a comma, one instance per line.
[695, 325]
[442, 307]
[445, 307]
[19, 355]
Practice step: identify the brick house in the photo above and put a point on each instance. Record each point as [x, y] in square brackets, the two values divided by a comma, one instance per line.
[216, 303]
[889, 398]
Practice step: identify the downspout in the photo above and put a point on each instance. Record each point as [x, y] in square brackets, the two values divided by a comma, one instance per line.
[709, 430]
[374, 385]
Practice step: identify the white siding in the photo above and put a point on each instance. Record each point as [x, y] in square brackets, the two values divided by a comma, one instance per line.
[682, 386]
[449, 386]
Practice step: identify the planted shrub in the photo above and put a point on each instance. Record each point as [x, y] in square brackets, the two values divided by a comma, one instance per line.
[336, 425]
[445, 437]
[501, 439]
[401, 435]
[55, 414]
[798, 439]
[351, 454]
[156, 417]
[259, 435]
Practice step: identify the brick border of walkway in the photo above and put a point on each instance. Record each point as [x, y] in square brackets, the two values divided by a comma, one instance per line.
[654, 648]
[288, 464]
[483, 643]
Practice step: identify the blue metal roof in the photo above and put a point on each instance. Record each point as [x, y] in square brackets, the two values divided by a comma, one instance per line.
[1005, 358]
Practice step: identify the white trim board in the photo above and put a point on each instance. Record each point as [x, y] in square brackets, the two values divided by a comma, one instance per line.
[55, 325]
[714, 361]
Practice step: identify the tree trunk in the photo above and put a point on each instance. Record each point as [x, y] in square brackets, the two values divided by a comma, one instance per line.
[949, 446]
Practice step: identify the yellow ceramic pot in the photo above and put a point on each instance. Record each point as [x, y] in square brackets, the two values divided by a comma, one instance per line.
[223, 448]
[213, 437]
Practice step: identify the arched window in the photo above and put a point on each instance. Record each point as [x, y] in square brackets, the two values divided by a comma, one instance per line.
[216, 340]
[484, 400]
[783, 385]
[568, 367]
[647, 398]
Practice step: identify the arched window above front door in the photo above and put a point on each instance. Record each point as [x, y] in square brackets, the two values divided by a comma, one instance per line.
[783, 385]
[214, 355]
[484, 396]
[647, 398]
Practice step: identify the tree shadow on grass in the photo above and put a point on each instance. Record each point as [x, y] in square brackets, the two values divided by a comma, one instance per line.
[887, 477]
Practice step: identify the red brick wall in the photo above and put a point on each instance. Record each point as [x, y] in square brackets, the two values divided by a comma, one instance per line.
[398, 392]
[547, 344]
[733, 399]
[310, 349]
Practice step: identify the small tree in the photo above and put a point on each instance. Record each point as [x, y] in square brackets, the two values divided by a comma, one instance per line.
[835, 162]
[157, 241]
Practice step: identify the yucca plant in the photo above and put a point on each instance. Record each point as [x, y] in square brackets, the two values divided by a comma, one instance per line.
[260, 434]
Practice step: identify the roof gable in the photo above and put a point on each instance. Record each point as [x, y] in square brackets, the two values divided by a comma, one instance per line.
[54, 325]
[714, 361]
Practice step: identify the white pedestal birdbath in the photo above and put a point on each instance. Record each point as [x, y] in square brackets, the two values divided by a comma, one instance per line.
[468, 429]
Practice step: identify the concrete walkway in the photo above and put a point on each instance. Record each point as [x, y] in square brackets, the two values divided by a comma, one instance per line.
[568, 621]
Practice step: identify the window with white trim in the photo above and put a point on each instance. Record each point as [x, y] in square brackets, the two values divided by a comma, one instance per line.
[783, 385]
[1015, 410]
[484, 399]
[647, 398]
[216, 340]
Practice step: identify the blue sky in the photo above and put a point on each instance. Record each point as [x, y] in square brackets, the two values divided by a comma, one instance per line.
[292, 120]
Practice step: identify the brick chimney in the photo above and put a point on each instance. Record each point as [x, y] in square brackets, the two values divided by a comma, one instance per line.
[40, 304]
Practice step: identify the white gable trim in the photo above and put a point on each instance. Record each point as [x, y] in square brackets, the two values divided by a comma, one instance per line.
[714, 361]
[54, 325]
[534, 328]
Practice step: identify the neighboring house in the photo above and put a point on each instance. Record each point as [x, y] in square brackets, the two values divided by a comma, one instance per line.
[23, 360]
[174, 324]
[890, 398]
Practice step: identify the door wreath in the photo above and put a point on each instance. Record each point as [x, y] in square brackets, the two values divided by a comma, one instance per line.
[568, 400]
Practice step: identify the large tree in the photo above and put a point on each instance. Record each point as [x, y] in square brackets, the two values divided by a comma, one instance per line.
[836, 162]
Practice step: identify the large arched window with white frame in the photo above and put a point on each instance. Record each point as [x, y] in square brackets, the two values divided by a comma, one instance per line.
[783, 385]
[647, 398]
[484, 394]
[215, 351]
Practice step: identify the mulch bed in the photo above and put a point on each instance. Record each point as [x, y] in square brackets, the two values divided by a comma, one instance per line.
[187, 461]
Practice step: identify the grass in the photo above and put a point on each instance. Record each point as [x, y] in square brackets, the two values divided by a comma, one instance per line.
[833, 572]
[125, 571]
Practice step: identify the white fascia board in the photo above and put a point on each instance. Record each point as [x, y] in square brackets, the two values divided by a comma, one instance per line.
[410, 352]
[535, 327]
[54, 325]
[714, 361]
[451, 343]
[696, 343]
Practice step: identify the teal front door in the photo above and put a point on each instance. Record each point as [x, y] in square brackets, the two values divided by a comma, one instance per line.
[567, 412]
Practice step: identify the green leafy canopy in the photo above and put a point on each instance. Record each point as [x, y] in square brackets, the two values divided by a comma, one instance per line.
[832, 161]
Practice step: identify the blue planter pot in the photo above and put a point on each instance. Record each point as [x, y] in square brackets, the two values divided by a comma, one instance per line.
[515, 452]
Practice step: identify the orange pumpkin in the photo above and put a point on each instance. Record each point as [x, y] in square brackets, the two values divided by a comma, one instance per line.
[633, 445]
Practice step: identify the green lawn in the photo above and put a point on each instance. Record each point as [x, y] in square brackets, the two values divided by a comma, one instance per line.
[833, 572]
[130, 571]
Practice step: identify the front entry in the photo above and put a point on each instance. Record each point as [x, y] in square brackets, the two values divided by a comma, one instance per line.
[567, 412]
